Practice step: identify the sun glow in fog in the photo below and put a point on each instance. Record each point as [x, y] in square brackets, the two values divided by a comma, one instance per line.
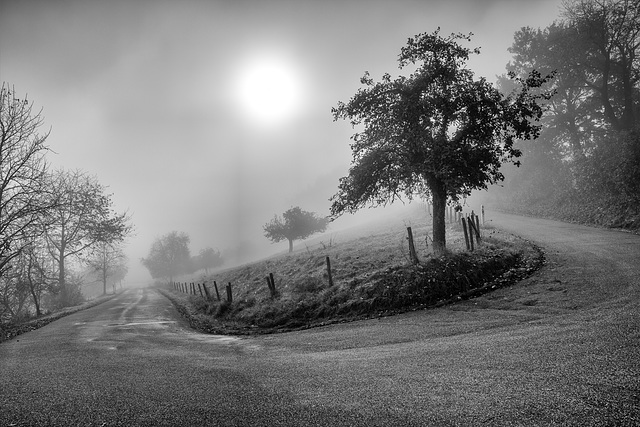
[268, 90]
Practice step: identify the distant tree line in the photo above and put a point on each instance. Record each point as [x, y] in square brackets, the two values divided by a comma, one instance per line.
[52, 223]
[170, 256]
[585, 165]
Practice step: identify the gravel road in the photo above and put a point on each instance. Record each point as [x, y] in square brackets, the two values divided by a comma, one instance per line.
[560, 348]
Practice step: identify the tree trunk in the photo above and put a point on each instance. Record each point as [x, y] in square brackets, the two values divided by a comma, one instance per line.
[439, 197]
[290, 245]
[36, 300]
[64, 295]
[104, 272]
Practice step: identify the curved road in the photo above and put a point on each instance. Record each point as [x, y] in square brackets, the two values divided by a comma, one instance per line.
[560, 348]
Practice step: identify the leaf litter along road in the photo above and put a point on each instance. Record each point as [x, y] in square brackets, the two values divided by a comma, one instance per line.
[560, 348]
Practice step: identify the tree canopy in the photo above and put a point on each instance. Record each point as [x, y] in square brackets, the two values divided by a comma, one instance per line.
[207, 258]
[436, 133]
[295, 224]
[169, 256]
[584, 166]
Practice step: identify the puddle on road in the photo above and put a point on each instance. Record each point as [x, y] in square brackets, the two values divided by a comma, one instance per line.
[157, 322]
[218, 339]
[227, 340]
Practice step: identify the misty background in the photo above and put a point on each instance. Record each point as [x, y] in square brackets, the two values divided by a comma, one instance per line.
[148, 96]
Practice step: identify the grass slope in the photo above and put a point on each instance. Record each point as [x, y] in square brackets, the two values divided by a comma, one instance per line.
[372, 277]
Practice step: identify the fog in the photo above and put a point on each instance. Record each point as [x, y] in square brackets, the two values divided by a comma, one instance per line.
[151, 97]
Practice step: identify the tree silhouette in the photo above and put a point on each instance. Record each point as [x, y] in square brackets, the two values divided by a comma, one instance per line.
[169, 256]
[437, 133]
[295, 224]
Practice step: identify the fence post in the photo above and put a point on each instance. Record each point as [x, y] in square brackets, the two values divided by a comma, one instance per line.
[229, 295]
[215, 285]
[329, 272]
[272, 285]
[412, 248]
[200, 289]
[470, 221]
[269, 286]
[482, 207]
[464, 228]
[206, 291]
[475, 225]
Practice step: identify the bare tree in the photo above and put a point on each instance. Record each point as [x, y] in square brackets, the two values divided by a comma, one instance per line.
[82, 219]
[119, 272]
[22, 176]
[106, 259]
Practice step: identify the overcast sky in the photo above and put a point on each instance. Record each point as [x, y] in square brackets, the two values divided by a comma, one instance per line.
[164, 100]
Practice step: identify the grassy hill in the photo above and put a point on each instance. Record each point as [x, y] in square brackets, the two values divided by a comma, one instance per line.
[371, 273]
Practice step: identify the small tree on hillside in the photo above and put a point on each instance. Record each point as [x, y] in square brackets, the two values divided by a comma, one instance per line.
[295, 224]
[436, 133]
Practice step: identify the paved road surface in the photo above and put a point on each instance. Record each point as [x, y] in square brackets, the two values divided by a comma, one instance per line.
[561, 348]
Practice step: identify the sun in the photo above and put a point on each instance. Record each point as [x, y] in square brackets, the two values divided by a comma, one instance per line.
[268, 90]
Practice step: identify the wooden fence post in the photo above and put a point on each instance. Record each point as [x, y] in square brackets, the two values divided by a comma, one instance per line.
[482, 207]
[215, 286]
[200, 289]
[475, 224]
[412, 248]
[229, 295]
[329, 272]
[470, 221]
[272, 285]
[464, 228]
[206, 291]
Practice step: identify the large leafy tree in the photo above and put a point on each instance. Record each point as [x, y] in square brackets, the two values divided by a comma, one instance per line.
[438, 132]
[169, 256]
[607, 42]
[595, 52]
[570, 122]
[585, 167]
[295, 224]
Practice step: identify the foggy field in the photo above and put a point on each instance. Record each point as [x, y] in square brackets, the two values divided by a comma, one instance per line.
[371, 272]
